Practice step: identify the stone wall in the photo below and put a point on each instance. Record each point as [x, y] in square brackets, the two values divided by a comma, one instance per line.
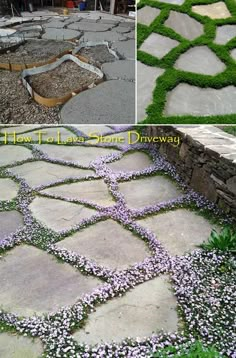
[205, 159]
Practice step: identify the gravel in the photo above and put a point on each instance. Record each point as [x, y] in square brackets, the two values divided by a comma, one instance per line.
[97, 55]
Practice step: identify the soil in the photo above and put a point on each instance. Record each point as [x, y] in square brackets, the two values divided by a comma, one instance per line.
[64, 79]
[97, 55]
[35, 51]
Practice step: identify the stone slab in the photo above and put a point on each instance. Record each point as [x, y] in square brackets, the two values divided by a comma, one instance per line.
[42, 284]
[10, 222]
[108, 244]
[179, 231]
[59, 134]
[233, 53]
[88, 130]
[110, 36]
[10, 154]
[174, 2]
[146, 309]
[147, 15]
[13, 346]
[225, 33]
[104, 106]
[158, 45]
[8, 189]
[122, 29]
[121, 138]
[119, 70]
[61, 34]
[191, 100]
[126, 49]
[131, 162]
[216, 10]
[91, 27]
[59, 215]
[92, 190]
[44, 173]
[146, 82]
[184, 25]
[200, 59]
[19, 129]
[148, 191]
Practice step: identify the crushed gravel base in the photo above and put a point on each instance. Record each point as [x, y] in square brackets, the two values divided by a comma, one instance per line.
[97, 55]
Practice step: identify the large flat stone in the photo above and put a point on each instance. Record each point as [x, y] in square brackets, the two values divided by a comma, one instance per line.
[103, 103]
[41, 284]
[184, 25]
[60, 34]
[146, 82]
[10, 154]
[158, 45]
[8, 189]
[179, 231]
[119, 70]
[126, 49]
[58, 134]
[43, 173]
[19, 129]
[174, 2]
[225, 33]
[89, 26]
[191, 100]
[121, 138]
[146, 309]
[148, 191]
[233, 53]
[147, 15]
[110, 36]
[217, 10]
[131, 162]
[76, 154]
[12, 346]
[58, 214]
[88, 130]
[92, 190]
[200, 59]
[10, 222]
[108, 244]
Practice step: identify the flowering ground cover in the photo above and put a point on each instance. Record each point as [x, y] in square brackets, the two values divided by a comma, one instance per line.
[99, 253]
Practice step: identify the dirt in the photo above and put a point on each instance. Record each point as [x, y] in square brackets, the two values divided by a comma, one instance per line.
[97, 55]
[64, 79]
[36, 51]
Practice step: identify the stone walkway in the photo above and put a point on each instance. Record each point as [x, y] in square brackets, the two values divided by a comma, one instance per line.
[92, 237]
[186, 55]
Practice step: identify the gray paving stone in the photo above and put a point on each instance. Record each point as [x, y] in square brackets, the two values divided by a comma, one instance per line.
[61, 34]
[59, 134]
[147, 15]
[200, 59]
[146, 82]
[47, 284]
[131, 162]
[110, 36]
[88, 130]
[54, 23]
[108, 244]
[126, 49]
[186, 100]
[148, 191]
[8, 189]
[12, 346]
[104, 106]
[158, 45]
[146, 309]
[92, 190]
[10, 154]
[59, 215]
[43, 173]
[216, 10]
[174, 2]
[233, 53]
[10, 222]
[121, 138]
[91, 27]
[76, 154]
[122, 29]
[225, 33]
[19, 129]
[184, 25]
[119, 70]
[179, 231]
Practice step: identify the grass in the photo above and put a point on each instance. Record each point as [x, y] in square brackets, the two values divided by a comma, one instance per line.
[229, 129]
[196, 350]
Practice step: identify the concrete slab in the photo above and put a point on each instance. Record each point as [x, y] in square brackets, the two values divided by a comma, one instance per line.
[110, 36]
[92, 190]
[89, 26]
[13, 346]
[158, 45]
[148, 191]
[146, 309]
[147, 15]
[10, 154]
[200, 59]
[10, 222]
[131, 162]
[8, 189]
[104, 106]
[126, 49]
[184, 25]
[119, 70]
[216, 10]
[48, 285]
[146, 82]
[44, 173]
[183, 233]
[186, 100]
[61, 34]
[108, 244]
[59, 215]
[224, 34]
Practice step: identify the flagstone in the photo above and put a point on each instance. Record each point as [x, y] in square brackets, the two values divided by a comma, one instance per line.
[10, 222]
[148, 191]
[43, 173]
[53, 135]
[225, 33]
[174, 2]
[117, 139]
[87, 130]
[184, 25]
[10, 154]
[8, 189]
[59, 215]
[131, 162]
[109, 244]
[14, 346]
[233, 53]
[147, 15]
[42, 284]
[144, 310]
[216, 10]
[19, 129]
[158, 45]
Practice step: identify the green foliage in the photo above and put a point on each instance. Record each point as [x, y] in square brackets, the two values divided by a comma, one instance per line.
[197, 350]
[229, 129]
[223, 241]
